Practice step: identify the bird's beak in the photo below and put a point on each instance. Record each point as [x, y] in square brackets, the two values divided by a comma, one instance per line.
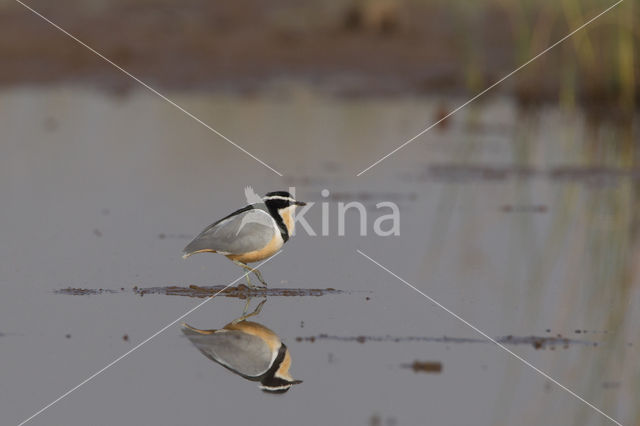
[300, 203]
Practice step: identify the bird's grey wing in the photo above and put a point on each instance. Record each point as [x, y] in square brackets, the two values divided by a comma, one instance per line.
[243, 353]
[246, 231]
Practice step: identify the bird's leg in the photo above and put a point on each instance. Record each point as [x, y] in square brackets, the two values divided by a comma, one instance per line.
[259, 275]
[255, 312]
[249, 270]
[246, 306]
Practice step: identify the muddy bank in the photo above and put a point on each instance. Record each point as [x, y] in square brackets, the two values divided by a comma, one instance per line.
[346, 47]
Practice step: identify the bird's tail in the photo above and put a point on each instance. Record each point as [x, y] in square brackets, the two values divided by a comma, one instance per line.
[189, 330]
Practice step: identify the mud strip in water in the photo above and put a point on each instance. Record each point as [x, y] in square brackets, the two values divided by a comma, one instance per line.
[458, 172]
[538, 342]
[86, 291]
[241, 291]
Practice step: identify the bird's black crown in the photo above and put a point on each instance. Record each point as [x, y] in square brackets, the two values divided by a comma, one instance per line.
[279, 194]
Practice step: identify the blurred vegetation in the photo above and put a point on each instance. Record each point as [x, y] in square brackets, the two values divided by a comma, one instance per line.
[598, 65]
[363, 47]
[597, 62]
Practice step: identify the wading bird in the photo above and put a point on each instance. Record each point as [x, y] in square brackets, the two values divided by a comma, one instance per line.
[251, 234]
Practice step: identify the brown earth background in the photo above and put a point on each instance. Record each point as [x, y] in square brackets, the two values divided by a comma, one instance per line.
[375, 47]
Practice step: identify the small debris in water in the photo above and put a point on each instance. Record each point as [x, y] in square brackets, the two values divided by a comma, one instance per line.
[611, 385]
[535, 208]
[441, 114]
[302, 324]
[68, 336]
[97, 232]
[331, 166]
[163, 236]
[367, 298]
[50, 124]
[425, 366]
[125, 337]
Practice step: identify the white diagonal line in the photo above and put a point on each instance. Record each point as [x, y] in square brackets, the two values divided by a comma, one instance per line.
[94, 375]
[425, 130]
[500, 345]
[151, 89]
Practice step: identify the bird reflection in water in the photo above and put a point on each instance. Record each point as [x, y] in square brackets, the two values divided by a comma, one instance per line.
[248, 349]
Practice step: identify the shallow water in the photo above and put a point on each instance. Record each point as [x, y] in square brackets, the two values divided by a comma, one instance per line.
[102, 192]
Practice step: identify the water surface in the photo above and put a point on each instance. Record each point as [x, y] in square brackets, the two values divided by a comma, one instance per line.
[522, 222]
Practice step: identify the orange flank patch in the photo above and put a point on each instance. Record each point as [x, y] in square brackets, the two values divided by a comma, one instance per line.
[255, 329]
[257, 255]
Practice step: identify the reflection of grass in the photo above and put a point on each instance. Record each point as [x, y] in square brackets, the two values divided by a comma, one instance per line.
[610, 241]
[575, 267]
[593, 240]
